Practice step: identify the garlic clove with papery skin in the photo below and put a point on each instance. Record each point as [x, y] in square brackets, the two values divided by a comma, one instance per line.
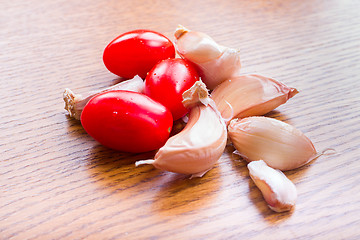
[200, 144]
[279, 144]
[75, 103]
[215, 63]
[250, 95]
[278, 191]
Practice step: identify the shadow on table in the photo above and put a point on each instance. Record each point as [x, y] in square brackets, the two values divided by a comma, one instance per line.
[178, 194]
[158, 192]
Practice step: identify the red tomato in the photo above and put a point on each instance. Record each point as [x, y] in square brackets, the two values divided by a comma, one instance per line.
[127, 121]
[167, 81]
[136, 52]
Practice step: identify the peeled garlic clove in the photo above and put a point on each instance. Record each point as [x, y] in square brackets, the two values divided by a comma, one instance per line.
[278, 191]
[200, 144]
[215, 63]
[75, 103]
[250, 95]
[279, 144]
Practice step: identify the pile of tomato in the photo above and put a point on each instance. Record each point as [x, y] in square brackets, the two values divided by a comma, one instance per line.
[140, 122]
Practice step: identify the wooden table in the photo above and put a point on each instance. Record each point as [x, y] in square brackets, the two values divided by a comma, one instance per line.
[58, 183]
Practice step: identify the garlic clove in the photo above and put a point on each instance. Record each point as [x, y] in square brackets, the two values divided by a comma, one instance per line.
[250, 95]
[196, 46]
[75, 103]
[278, 191]
[279, 144]
[215, 63]
[199, 145]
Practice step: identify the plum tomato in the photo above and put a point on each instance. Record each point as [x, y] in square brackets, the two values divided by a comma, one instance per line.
[167, 81]
[136, 52]
[127, 121]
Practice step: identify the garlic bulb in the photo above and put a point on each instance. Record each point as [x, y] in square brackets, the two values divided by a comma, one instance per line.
[215, 63]
[278, 191]
[250, 95]
[75, 103]
[279, 144]
[200, 144]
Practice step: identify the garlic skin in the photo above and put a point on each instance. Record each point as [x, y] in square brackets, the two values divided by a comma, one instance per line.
[279, 144]
[215, 63]
[278, 191]
[75, 103]
[250, 95]
[200, 144]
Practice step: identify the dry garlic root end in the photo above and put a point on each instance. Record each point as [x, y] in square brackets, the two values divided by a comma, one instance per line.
[73, 103]
[278, 191]
[195, 95]
[180, 30]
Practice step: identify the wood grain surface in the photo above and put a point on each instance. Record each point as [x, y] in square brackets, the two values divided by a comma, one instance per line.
[56, 182]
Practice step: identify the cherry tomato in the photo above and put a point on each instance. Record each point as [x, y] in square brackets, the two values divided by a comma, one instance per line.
[127, 121]
[167, 81]
[136, 52]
